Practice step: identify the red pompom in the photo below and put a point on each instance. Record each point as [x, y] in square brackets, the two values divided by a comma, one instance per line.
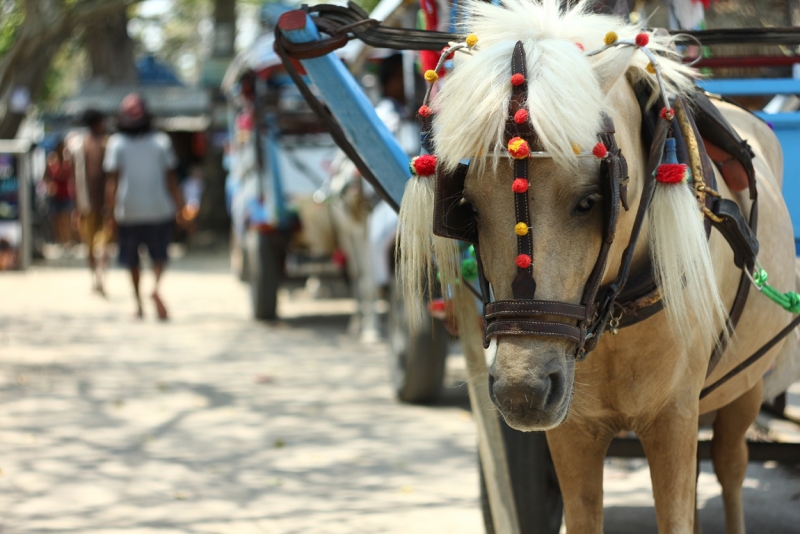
[424, 111]
[517, 80]
[672, 173]
[667, 114]
[521, 116]
[520, 185]
[600, 151]
[523, 261]
[518, 148]
[642, 39]
[580, 47]
[424, 165]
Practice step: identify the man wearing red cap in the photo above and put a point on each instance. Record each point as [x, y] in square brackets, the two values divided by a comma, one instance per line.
[143, 195]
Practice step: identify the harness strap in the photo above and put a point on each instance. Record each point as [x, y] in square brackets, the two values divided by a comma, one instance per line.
[752, 359]
[535, 307]
[523, 285]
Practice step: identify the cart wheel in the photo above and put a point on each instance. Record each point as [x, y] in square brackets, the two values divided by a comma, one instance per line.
[264, 273]
[536, 491]
[416, 358]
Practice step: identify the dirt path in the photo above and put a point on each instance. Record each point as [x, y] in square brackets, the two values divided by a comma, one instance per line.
[213, 423]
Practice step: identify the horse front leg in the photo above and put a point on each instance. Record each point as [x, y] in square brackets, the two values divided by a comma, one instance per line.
[670, 444]
[578, 455]
[729, 453]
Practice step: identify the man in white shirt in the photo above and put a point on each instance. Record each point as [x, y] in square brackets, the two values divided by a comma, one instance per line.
[143, 195]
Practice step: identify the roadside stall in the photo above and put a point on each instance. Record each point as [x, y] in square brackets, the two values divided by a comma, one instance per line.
[15, 204]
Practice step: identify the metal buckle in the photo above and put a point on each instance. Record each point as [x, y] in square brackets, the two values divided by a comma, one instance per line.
[613, 324]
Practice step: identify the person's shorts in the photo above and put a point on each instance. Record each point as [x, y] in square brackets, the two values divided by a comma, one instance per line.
[61, 205]
[155, 236]
[93, 230]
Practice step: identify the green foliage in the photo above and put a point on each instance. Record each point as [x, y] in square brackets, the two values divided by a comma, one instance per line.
[69, 67]
[11, 16]
[368, 5]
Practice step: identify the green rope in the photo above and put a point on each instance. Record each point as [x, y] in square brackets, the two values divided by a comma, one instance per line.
[789, 301]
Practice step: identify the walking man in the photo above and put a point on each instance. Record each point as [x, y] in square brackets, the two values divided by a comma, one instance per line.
[142, 194]
[88, 151]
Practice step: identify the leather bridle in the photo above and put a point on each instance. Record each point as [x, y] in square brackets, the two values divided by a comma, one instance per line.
[581, 323]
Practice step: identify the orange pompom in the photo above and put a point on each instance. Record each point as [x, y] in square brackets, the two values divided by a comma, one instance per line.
[518, 148]
[517, 80]
[600, 151]
[523, 261]
[642, 39]
[424, 165]
[520, 185]
[521, 116]
[424, 111]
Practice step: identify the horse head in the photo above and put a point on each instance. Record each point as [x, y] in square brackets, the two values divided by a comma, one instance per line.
[551, 247]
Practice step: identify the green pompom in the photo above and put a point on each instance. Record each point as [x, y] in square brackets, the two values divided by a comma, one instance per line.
[469, 269]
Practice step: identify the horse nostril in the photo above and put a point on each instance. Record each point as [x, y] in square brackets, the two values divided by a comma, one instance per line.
[492, 395]
[556, 389]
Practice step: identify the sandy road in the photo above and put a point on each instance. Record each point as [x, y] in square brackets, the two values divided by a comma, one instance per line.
[215, 423]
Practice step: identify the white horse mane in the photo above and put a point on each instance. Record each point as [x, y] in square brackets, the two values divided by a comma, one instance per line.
[566, 100]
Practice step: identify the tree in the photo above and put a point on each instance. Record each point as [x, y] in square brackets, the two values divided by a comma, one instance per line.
[33, 37]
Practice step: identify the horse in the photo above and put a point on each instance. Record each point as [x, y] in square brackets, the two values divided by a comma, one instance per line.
[646, 377]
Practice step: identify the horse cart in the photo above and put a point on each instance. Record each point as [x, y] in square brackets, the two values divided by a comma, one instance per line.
[676, 179]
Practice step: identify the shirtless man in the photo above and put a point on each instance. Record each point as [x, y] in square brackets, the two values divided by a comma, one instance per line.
[88, 151]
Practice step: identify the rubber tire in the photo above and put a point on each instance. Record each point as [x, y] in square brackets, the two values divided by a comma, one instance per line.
[533, 476]
[416, 359]
[263, 269]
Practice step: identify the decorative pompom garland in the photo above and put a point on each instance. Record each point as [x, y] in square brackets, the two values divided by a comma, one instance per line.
[471, 40]
[650, 68]
[520, 185]
[521, 116]
[642, 39]
[576, 148]
[518, 148]
[610, 38]
[431, 76]
[523, 261]
[424, 111]
[424, 165]
[521, 229]
[667, 114]
[672, 173]
[600, 151]
[517, 80]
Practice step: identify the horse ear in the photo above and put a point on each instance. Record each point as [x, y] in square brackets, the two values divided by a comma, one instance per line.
[611, 65]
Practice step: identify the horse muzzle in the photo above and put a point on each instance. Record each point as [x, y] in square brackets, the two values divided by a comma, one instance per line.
[530, 396]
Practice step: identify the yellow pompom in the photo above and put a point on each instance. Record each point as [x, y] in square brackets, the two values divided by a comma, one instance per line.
[650, 68]
[610, 38]
[576, 148]
[472, 40]
[431, 76]
[521, 228]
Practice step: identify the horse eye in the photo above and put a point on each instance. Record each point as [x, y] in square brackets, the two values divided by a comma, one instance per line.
[585, 205]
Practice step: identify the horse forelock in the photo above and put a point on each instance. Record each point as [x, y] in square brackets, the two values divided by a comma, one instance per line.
[565, 97]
